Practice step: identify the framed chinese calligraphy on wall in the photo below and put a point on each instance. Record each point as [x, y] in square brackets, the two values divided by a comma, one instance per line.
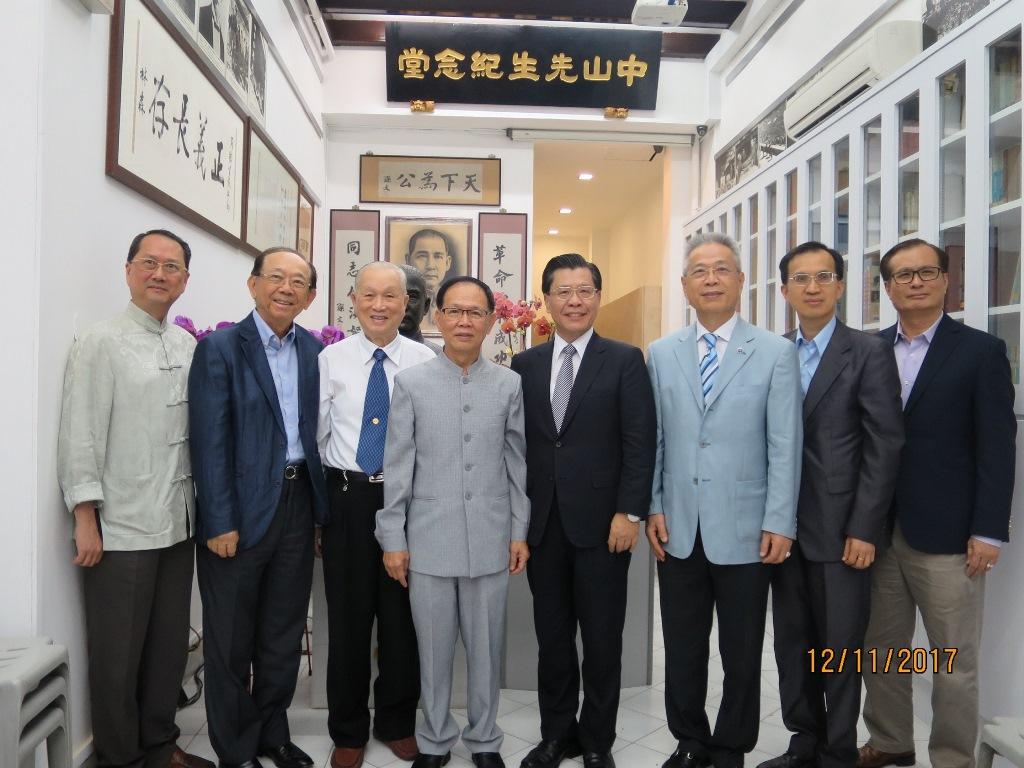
[439, 248]
[430, 180]
[501, 263]
[272, 206]
[173, 135]
[354, 243]
[305, 236]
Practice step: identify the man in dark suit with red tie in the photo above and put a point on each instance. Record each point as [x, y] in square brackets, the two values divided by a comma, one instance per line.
[590, 443]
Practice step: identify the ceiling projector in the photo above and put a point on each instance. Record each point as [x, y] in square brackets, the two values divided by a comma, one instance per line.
[659, 13]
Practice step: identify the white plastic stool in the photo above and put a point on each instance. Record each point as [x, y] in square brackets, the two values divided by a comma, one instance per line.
[1004, 736]
[34, 702]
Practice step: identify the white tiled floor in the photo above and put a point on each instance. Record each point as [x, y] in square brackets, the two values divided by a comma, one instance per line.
[643, 738]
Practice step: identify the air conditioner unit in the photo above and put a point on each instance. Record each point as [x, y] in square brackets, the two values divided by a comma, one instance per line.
[872, 58]
[659, 13]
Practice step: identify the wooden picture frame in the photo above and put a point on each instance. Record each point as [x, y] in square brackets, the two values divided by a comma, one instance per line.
[444, 247]
[306, 221]
[430, 180]
[355, 242]
[501, 263]
[156, 143]
[273, 187]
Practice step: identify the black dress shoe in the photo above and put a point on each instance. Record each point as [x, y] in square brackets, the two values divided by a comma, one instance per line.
[788, 760]
[254, 763]
[682, 759]
[431, 761]
[598, 760]
[488, 760]
[288, 756]
[550, 752]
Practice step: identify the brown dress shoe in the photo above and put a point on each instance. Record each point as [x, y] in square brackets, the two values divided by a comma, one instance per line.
[182, 759]
[869, 757]
[404, 749]
[347, 757]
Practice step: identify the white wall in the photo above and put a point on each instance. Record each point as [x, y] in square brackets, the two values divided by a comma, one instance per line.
[86, 222]
[636, 246]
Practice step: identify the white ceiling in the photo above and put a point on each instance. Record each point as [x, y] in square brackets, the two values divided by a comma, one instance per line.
[621, 173]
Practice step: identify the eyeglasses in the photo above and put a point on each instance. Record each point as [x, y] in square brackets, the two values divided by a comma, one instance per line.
[565, 292]
[825, 277]
[702, 273]
[927, 274]
[170, 268]
[277, 280]
[454, 313]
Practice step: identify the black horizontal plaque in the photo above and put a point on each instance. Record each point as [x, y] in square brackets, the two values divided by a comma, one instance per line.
[524, 65]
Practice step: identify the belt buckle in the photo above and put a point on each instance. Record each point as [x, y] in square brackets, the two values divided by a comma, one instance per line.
[378, 478]
[291, 472]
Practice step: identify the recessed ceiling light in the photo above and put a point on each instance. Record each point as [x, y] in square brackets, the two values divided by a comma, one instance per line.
[586, 176]
[552, 231]
[565, 210]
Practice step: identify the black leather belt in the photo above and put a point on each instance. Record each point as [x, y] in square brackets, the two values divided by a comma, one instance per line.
[351, 476]
[294, 471]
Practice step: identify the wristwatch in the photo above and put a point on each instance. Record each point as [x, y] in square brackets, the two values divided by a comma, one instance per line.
[633, 518]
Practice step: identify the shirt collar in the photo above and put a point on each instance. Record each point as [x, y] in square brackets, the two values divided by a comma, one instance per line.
[146, 320]
[821, 340]
[928, 335]
[393, 349]
[267, 333]
[580, 343]
[457, 370]
[724, 331]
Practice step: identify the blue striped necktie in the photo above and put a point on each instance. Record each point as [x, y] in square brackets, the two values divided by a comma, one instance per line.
[563, 386]
[370, 452]
[708, 366]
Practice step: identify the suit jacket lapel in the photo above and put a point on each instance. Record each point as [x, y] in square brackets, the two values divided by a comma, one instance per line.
[306, 348]
[542, 387]
[836, 357]
[741, 346]
[256, 356]
[592, 361]
[945, 340]
[686, 356]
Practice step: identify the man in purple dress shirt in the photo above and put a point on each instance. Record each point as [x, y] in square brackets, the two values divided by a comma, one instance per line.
[951, 512]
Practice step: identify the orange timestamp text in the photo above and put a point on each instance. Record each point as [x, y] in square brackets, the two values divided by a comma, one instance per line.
[902, 661]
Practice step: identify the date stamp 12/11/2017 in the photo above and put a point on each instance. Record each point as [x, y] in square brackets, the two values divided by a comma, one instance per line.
[902, 661]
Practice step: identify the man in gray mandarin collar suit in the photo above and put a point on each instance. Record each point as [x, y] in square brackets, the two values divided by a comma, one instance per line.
[455, 516]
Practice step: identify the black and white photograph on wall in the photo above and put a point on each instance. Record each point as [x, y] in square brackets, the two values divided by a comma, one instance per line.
[236, 61]
[439, 248]
[185, 11]
[943, 16]
[212, 24]
[771, 135]
[747, 152]
[725, 170]
[258, 74]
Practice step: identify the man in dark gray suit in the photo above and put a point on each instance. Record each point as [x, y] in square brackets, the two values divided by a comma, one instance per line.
[455, 517]
[853, 432]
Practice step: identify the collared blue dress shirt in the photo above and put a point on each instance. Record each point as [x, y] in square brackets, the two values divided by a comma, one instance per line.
[810, 352]
[284, 367]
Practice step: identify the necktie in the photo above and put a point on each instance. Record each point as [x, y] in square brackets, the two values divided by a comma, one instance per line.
[808, 355]
[370, 453]
[563, 386]
[708, 366]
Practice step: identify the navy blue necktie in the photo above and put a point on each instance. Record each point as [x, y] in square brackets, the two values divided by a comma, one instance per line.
[370, 453]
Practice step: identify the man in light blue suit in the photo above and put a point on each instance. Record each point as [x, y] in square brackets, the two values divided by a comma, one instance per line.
[726, 480]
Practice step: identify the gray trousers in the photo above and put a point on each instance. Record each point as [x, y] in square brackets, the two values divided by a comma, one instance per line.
[951, 606]
[442, 609]
[136, 615]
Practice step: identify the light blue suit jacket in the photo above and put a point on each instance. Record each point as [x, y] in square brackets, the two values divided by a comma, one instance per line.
[732, 467]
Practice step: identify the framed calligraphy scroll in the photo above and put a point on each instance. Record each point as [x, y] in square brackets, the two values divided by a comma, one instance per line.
[355, 236]
[272, 205]
[305, 236]
[439, 248]
[430, 180]
[501, 263]
[173, 135]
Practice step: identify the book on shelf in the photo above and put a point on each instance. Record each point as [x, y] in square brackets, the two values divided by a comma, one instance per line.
[1005, 175]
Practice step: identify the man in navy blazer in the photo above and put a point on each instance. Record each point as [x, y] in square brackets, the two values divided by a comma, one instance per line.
[951, 513]
[253, 395]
